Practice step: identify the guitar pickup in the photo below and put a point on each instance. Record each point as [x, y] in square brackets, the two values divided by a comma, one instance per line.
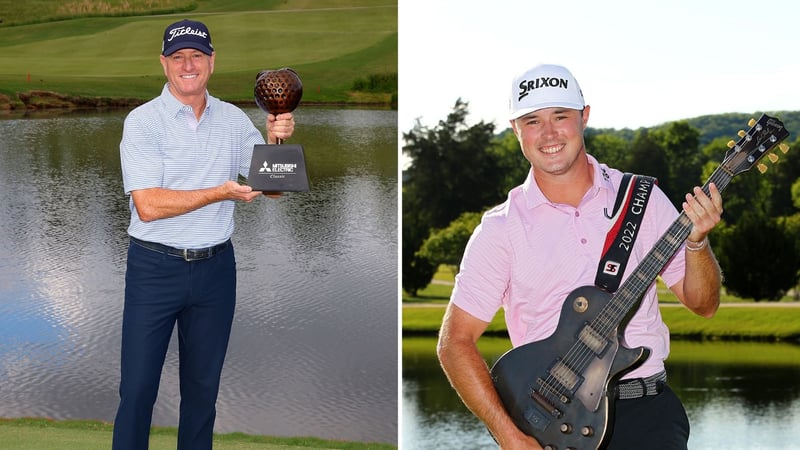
[595, 341]
[565, 376]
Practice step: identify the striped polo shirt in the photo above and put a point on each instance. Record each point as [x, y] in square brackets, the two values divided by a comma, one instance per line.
[163, 145]
[528, 254]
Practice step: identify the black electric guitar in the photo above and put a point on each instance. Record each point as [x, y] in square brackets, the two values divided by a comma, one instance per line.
[559, 390]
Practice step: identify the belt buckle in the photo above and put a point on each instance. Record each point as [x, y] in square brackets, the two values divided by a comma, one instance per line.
[190, 255]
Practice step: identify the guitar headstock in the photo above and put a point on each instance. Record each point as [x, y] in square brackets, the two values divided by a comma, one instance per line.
[764, 135]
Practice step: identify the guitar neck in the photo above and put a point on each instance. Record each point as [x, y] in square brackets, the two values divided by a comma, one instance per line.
[634, 287]
[764, 135]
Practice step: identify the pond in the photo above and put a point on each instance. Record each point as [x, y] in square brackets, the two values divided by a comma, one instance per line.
[313, 350]
[737, 395]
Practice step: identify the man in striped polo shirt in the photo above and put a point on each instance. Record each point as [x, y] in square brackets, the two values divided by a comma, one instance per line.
[181, 155]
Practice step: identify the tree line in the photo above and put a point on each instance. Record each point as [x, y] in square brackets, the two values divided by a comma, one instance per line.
[458, 171]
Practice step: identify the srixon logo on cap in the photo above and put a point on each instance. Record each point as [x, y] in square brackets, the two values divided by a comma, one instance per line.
[526, 86]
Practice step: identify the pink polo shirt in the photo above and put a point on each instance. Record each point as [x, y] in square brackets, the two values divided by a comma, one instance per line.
[528, 254]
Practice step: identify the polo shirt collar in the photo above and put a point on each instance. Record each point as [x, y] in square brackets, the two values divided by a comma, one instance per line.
[173, 105]
[601, 180]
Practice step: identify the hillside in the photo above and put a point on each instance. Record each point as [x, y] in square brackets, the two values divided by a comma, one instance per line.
[716, 125]
[344, 50]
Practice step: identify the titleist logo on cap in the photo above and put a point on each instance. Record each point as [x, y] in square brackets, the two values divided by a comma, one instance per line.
[182, 31]
[526, 86]
[186, 34]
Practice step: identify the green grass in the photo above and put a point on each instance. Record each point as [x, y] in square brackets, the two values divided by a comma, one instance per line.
[439, 290]
[768, 321]
[732, 321]
[331, 43]
[750, 353]
[40, 434]
[426, 319]
[15, 12]
[735, 319]
[684, 351]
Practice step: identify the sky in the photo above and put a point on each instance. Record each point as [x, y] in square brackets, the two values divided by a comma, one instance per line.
[639, 63]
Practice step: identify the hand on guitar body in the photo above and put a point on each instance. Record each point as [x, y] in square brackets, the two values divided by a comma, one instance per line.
[520, 441]
[509, 437]
[469, 376]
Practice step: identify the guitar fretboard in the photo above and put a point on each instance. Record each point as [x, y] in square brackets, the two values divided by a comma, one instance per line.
[763, 136]
[634, 287]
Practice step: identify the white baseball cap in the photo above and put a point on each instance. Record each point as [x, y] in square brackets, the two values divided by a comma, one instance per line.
[544, 86]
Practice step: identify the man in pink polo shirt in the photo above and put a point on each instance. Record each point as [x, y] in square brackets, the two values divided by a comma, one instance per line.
[545, 240]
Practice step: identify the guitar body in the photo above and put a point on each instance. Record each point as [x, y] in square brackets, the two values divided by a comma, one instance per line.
[551, 399]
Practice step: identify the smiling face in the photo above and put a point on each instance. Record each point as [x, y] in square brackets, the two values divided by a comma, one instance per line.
[552, 139]
[188, 71]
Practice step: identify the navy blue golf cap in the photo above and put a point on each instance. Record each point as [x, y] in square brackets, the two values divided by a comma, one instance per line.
[186, 34]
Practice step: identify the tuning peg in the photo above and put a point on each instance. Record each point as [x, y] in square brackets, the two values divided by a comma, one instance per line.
[751, 122]
[784, 148]
[762, 167]
[773, 157]
[731, 143]
[742, 133]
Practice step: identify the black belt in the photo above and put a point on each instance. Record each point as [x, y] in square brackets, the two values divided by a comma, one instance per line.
[640, 387]
[188, 254]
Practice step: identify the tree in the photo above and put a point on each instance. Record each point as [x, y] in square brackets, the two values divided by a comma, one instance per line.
[782, 176]
[512, 165]
[446, 245]
[648, 158]
[609, 149]
[680, 143]
[758, 257]
[453, 169]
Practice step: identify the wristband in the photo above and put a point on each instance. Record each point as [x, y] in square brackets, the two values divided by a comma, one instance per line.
[693, 246]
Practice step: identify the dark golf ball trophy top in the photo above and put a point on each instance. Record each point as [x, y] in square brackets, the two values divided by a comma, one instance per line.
[278, 91]
[278, 167]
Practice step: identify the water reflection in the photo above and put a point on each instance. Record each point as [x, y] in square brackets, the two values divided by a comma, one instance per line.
[737, 396]
[314, 345]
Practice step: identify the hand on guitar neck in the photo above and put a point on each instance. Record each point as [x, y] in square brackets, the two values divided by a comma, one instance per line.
[705, 211]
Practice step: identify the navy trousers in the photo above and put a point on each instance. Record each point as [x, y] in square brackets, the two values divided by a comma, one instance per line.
[655, 422]
[160, 291]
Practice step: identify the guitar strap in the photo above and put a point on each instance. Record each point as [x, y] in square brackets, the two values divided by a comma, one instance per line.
[632, 196]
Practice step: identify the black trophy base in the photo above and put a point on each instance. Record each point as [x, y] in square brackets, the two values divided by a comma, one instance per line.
[278, 168]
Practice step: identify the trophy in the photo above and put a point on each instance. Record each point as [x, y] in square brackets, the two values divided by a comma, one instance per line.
[278, 167]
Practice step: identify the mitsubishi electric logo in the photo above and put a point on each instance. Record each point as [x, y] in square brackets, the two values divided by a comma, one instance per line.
[277, 168]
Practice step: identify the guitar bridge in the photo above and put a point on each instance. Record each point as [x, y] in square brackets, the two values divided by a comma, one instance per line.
[545, 404]
[541, 412]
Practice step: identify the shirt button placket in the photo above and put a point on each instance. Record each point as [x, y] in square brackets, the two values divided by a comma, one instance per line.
[583, 241]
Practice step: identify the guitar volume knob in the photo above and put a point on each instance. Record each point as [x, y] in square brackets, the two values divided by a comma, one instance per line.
[566, 428]
[587, 431]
